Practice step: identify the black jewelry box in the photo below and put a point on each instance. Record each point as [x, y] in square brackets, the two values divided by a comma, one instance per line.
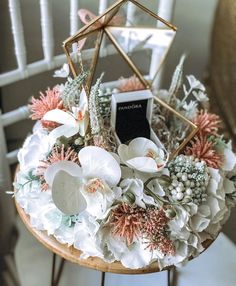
[131, 114]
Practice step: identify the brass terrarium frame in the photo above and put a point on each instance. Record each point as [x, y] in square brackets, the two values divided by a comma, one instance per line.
[101, 26]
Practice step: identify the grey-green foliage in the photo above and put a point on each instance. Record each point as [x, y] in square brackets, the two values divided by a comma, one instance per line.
[71, 93]
[94, 108]
[177, 80]
[25, 179]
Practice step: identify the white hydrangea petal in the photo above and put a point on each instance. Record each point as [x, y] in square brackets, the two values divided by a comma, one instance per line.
[136, 256]
[66, 193]
[116, 245]
[229, 160]
[27, 156]
[181, 253]
[98, 163]
[60, 116]
[86, 236]
[215, 174]
[228, 186]
[65, 235]
[143, 164]
[51, 218]
[199, 223]
[213, 203]
[133, 185]
[148, 200]
[204, 211]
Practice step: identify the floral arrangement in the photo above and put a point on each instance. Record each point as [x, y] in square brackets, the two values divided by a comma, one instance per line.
[133, 202]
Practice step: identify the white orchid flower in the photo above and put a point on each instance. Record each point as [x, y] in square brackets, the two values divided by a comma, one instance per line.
[72, 122]
[91, 187]
[143, 155]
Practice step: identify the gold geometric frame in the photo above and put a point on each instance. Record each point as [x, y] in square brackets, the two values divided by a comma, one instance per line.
[100, 26]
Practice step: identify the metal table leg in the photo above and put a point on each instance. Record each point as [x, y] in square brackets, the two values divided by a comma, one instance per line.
[172, 277]
[103, 279]
[55, 277]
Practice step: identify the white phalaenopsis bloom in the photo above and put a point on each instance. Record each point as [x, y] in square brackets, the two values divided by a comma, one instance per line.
[143, 155]
[72, 122]
[90, 187]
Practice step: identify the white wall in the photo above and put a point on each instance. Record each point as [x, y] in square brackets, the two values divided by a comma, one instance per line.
[193, 19]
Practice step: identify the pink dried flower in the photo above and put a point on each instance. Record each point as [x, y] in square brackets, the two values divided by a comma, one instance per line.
[133, 222]
[99, 141]
[58, 154]
[204, 150]
[39, 107]
[127, 221]
[208, 123]
[154, 230]
[130, 84]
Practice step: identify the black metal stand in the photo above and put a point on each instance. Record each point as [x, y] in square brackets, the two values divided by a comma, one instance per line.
[103, 278]
[55, 277]
[172, 277]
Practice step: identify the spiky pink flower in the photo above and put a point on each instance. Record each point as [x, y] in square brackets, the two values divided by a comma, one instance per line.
[58, 154]
[154, 229]
[204, 150]
[208, 123]
[126, 222]
[130, 84]
[39, 107]
[133, 222]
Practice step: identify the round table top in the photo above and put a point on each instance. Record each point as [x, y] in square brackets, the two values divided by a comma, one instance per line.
[73, 255]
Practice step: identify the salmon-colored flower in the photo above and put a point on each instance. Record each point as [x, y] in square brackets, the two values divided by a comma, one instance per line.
[133, 222]
[204, 150]
[208, 123]
[154, 230]
[130, 84]
[127, 221]
[39, 107]
[100, 141]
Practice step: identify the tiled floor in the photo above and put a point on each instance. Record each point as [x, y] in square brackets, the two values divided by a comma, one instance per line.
[215, 267]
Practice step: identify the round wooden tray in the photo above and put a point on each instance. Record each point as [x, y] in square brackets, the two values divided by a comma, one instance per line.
[72, 254]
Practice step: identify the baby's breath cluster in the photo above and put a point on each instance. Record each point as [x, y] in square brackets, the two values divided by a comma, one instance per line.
[189, 179]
